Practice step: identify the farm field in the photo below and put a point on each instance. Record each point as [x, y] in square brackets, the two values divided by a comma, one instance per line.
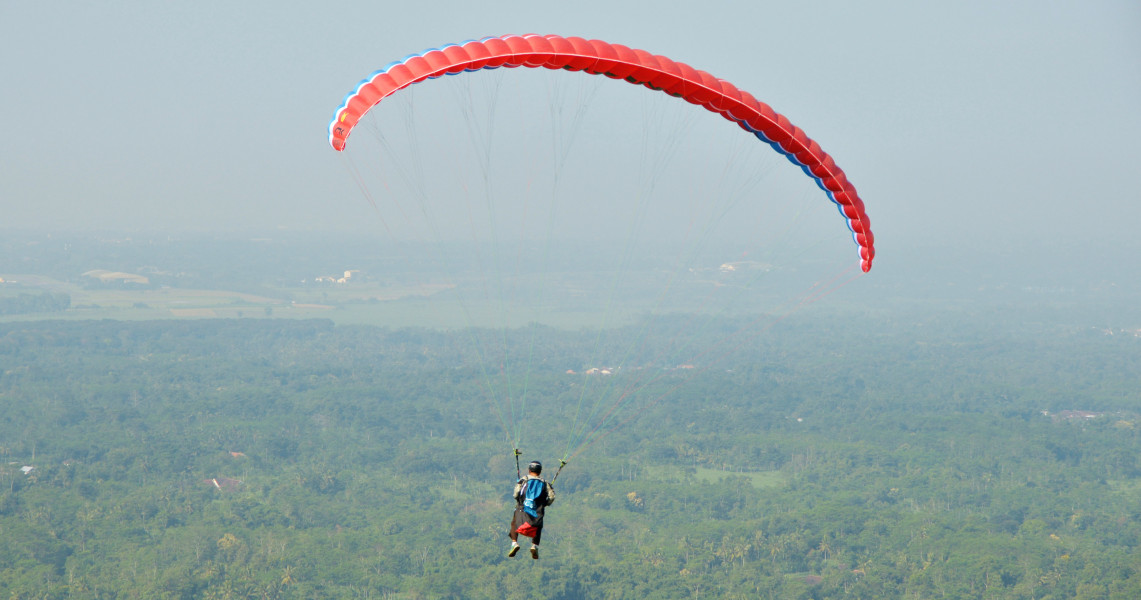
[366, 303]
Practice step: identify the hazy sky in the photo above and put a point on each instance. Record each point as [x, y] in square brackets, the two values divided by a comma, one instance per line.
[987, 123]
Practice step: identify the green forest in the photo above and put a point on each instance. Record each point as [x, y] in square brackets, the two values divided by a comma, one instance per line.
[834, 458]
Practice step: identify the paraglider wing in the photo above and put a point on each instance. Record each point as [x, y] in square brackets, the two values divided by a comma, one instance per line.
[617, 62]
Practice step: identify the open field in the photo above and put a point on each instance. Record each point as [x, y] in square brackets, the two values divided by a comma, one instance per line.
[425, 305]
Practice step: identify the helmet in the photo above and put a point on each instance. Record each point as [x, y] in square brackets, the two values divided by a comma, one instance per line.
[535, 467]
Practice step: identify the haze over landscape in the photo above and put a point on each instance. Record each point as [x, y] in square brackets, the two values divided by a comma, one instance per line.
[996, 134]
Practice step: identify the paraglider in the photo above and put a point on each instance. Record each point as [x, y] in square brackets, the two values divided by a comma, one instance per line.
[532, 496]
[617, 374]
[616, 62]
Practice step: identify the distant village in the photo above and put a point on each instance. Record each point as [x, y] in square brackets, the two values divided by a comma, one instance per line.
[603, 371]
[1125, 332]
[1078, 416]
[744, 265]
[346, 278]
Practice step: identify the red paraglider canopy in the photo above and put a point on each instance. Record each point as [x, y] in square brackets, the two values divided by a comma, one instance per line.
[617, 62]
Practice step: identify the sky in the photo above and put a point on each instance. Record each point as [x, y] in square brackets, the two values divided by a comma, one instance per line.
[979, 125]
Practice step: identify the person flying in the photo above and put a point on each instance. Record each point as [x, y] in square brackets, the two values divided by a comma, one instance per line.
[532, 496]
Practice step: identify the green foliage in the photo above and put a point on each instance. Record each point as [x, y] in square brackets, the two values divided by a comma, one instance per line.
[295, 459]
[24, 303]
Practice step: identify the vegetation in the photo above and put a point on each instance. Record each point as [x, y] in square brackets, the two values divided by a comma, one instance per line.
[270, 458]
[24, 303]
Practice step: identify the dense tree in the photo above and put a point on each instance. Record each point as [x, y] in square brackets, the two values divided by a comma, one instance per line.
[295, 459]
[24, 303]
